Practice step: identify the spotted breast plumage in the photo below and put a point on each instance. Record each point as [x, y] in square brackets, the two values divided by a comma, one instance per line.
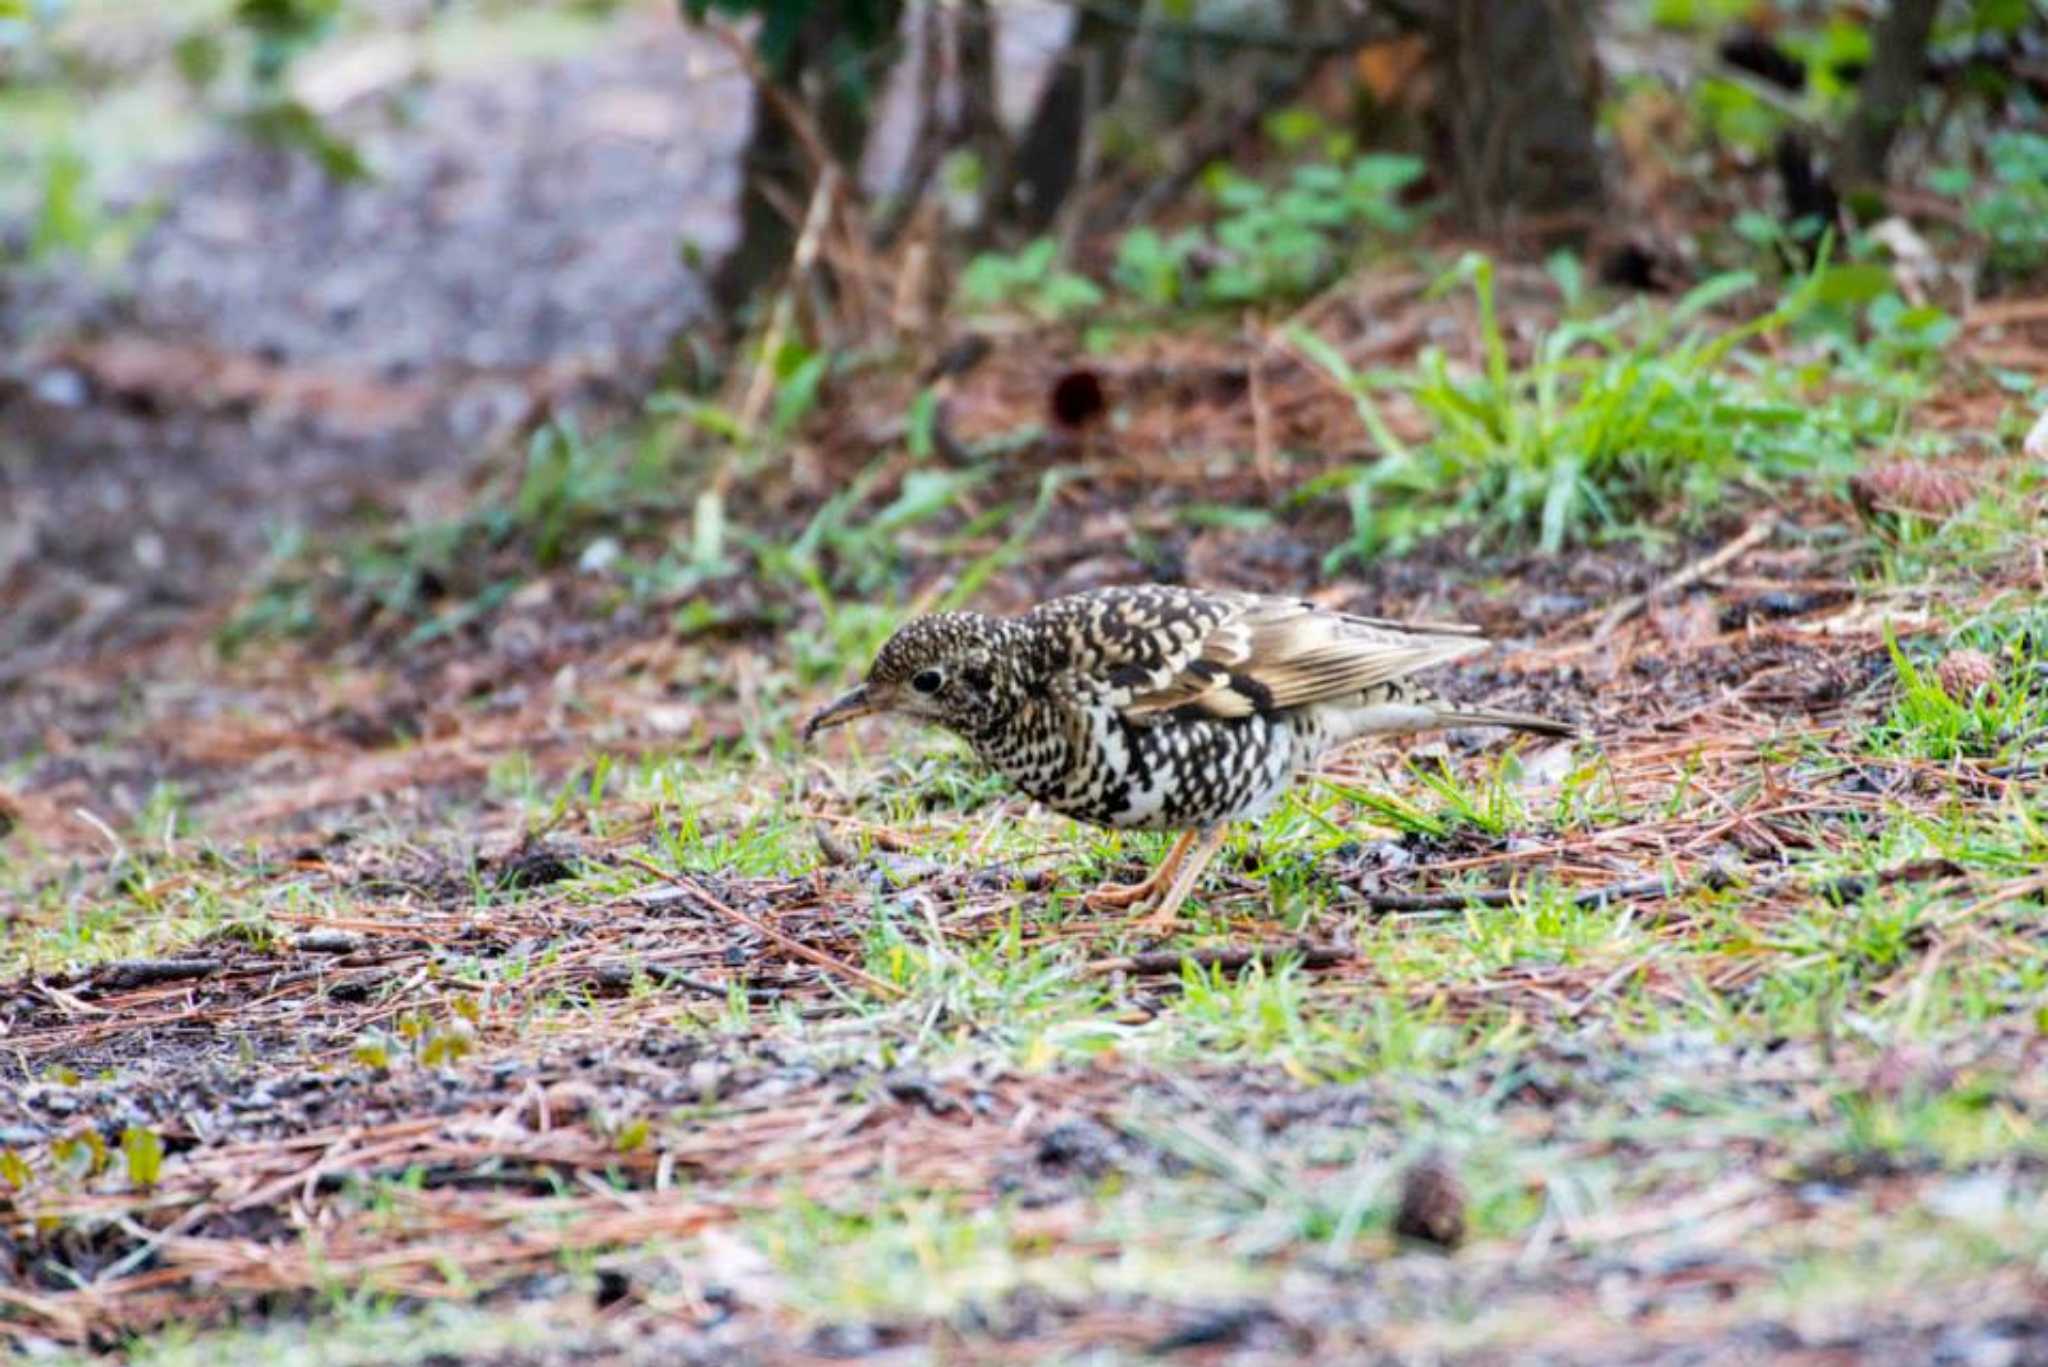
[1165, 708]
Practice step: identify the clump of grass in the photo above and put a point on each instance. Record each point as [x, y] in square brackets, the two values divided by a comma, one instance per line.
[1266, 243]
[1611, 417]
[2006, 718]
[578, 499]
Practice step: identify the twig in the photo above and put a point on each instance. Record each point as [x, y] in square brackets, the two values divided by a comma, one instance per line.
[763, 382]
[1846, 887]
[1262, 411]
[1850, 886]
[797, 947]
[127, 973]
[1173, 960]
[618, 977]
[1691, 574]
[795, 115]
[835, 850]
[1500, 897]
[2005, 312]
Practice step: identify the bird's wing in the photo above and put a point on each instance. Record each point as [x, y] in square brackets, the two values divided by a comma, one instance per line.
[1151, 651]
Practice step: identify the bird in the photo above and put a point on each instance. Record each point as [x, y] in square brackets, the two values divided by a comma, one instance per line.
[1163, 707]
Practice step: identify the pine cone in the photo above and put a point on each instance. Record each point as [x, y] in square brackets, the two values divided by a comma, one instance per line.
[1962, 673]
[1911, 486]
[1432, 1206]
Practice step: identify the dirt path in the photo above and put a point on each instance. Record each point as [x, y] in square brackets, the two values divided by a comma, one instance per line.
[290, 351]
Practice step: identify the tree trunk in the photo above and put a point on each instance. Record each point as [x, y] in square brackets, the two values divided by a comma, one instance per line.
[833, 71]
[1513, 117]
[1047, 159]
[935, 134]
[981, 110]
[1897, 64]
[773, 161]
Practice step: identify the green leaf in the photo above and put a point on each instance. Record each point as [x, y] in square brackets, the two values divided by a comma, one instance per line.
[1852, 284]
[1292, 126]
[144, 1152]
[290, 124]
[798, 394]
[1708, 293]
[921, 423]
[1950, 180]
[713, 419]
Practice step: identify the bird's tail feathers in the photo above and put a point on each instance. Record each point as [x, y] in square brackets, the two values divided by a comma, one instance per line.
[1520, 721]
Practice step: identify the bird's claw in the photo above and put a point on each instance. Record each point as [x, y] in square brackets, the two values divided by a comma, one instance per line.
[1117, 896]
[1162, 923]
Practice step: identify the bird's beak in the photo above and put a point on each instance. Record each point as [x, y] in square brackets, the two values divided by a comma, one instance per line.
[847, 707]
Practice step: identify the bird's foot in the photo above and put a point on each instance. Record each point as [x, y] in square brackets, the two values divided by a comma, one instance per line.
[1162, 921]
[1117, 896]
[1197, 849]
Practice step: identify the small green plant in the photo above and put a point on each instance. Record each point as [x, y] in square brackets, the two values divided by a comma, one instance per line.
[1287, 243]
[1267, 243]
[2012, 211]
[1031, 280]
[69, 219]
[1153, 267]
[143, 1151]
[1936, 719]
[578, 499]
[1610, 417]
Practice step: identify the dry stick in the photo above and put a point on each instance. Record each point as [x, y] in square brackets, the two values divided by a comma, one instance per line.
[620, 976]
[127, 973]
[1262, 411]
[1691, 574]
[763, 382]
[1068, 231]
[1500, 897]
[1172, 960]
[795, 115]
[1846, 887]
[768, 932]
[2006, 311]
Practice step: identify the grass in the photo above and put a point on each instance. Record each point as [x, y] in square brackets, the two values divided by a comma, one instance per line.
[1611, 415]
[463, 1081]
[1794, 1085]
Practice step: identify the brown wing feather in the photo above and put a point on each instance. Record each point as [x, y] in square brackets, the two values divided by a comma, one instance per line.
[1271, 654]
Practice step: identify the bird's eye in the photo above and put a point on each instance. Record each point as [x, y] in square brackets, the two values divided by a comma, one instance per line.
[927, 680]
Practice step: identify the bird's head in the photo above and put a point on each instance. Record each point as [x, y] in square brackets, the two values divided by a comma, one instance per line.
[941, 668]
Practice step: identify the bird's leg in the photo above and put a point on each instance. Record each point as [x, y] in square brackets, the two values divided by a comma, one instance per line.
[1116, 896]
[1208, 841]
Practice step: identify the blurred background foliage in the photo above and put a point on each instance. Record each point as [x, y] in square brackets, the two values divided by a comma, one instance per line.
[1141, 107]
[1853, 175]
